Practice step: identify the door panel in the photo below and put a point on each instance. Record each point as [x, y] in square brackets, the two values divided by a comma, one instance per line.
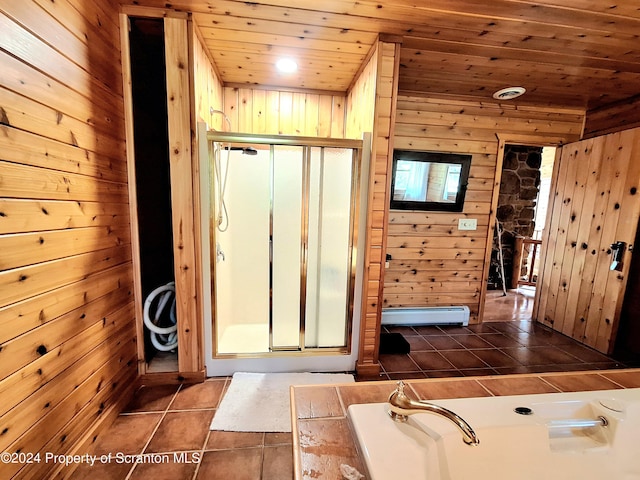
[595, 204]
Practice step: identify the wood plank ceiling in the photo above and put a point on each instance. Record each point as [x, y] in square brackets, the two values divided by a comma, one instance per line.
[575, 53]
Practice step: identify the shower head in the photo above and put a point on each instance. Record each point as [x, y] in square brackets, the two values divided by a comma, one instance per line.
[249, 151]
[244, 150]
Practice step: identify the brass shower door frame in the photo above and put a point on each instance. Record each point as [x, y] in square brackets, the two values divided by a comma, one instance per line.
[306, 143]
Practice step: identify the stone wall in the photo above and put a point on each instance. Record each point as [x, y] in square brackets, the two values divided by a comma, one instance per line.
[516, 205]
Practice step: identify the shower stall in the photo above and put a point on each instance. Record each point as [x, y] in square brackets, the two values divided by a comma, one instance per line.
[283, 216]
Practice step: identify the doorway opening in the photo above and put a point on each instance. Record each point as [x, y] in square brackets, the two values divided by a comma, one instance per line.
[153, 184]
[520, 218]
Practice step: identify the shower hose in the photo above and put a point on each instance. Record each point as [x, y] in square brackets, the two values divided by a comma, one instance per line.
[164, 338]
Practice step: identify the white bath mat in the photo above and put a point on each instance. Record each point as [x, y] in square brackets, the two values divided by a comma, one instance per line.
[259, 402]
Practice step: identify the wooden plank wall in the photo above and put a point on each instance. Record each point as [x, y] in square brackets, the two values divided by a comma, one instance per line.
[281, 112]
[379, 80]
[185, 247]
[207, 85]
[361, 99]
[613, 118]
[67, 341]
[433, 263]
[361, 103]
[595, 203]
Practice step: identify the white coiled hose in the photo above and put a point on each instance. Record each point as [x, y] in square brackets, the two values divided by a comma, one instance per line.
[163, 338]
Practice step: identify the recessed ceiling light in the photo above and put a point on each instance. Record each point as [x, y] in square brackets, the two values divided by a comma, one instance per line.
[286, 65]
[509, 93]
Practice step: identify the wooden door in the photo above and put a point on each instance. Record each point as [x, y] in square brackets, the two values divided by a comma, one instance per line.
[594, 203]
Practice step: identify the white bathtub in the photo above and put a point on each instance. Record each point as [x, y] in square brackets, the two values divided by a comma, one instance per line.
[541, 445]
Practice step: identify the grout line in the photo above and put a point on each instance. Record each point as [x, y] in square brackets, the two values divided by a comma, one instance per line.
[550, 384]
[486, 388]
[344, 410]
[206, 440]
[164, 414]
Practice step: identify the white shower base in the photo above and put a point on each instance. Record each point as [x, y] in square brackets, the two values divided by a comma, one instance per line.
[246, 338]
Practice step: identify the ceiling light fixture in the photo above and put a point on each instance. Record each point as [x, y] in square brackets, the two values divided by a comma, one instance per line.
[286, 65]
[509, 93]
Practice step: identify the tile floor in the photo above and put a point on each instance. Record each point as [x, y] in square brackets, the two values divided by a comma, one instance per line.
[175, 420]
[492, 348]
[170, 420]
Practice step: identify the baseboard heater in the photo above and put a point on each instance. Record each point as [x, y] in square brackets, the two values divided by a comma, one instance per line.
[426, 316]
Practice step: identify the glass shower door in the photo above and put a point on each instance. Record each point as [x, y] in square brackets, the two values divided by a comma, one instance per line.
[283, 278]
[287, 252]
[241, 282]
[328, 273]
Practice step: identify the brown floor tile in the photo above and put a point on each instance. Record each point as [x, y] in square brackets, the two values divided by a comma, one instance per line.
[504, 327]
[513, 370]
[241, 464]
[373, 393]
[528, 339]
[443, 342]
[472, 341]
[481, 328]
[318, 401]
[516, 386]
[277, 463]
[128, 434]
[612, 365]
[319, 438]
[173, 470]
[495, 358]
[585, 354]
[275, 438]
[428, 330]
[575, 367]
[455, 330]
[181, 431]
[546, 368]
[584, 382]
[404, 330]
[449, 389]
[477, 372]
[523, 355]
[200, 395]
[102, 471]
[462, 359]
[406, 375]
[152, 399]
[499, 340]
[398, 363]
[219, 440]
[418, 343]
[626, 379]
[431, 361]
[559, 339]
[553, 356]
[443, 373]
[527, 325]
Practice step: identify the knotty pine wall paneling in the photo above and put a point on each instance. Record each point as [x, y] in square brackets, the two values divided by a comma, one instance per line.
[185, 244]
[433, 263]
[361, 103]
[595, 204]
[282, 112]
[207, 89]
[68, 344]
[377, 82]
